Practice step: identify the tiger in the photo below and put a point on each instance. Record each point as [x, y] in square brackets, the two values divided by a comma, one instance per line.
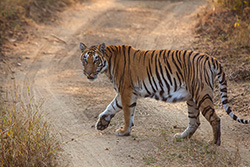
[166, 75]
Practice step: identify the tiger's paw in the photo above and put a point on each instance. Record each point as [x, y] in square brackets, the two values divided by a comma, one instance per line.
[212, 142]
[103, 122]
[122, 132]
[177, 137]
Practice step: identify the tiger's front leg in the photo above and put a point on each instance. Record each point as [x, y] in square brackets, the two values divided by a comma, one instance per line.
[129, 104]
[106, 116]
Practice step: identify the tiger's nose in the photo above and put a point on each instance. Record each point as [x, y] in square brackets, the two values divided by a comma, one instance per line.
[88, 74]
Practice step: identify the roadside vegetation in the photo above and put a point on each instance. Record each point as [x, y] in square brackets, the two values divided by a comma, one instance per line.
[223, 31]
[25, 137]
[15, 15]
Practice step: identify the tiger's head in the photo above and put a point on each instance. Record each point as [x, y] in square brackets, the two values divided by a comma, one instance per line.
[93, 60]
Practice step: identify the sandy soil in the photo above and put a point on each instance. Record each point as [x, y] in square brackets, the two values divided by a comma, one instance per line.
[51, 68]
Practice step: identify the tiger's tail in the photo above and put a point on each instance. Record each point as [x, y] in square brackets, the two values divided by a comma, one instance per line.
[223, 89]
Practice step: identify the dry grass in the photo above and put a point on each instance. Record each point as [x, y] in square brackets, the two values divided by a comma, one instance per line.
[25, 138]
[224, 32]
[237, 5]
[15, 15]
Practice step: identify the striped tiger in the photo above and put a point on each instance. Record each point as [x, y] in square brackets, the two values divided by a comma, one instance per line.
[167, 75]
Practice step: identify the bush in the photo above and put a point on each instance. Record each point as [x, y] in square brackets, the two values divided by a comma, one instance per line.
[25, 139]
[226, 25]
[237, 5]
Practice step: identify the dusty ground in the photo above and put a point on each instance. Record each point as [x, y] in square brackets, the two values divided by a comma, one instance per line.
[51, 68]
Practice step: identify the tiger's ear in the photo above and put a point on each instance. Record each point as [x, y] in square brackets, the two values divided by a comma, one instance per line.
[102, 48]
[82, 46]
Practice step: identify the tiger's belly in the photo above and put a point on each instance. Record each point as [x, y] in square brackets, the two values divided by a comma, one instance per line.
[179, 95]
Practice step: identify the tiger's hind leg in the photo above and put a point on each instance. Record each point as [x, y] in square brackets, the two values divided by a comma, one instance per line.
[206, 106]
[194, 121]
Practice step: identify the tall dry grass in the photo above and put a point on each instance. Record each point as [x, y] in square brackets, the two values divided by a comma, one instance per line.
[25, 138]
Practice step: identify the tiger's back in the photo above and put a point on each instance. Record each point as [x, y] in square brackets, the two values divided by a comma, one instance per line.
[157, 73]
[167, 75]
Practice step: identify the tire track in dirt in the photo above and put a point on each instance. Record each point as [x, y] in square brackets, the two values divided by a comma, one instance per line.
[72, 103]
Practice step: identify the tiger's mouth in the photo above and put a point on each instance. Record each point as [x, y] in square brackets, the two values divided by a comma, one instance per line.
[91, 77]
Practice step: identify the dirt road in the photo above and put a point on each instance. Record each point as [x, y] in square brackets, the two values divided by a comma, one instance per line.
[72, 103]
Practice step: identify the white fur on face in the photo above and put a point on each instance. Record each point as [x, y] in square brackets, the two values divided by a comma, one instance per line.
[95, 56]
[85, 57]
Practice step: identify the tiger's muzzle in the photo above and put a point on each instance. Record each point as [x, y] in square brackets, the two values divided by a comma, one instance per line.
[91, 77]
